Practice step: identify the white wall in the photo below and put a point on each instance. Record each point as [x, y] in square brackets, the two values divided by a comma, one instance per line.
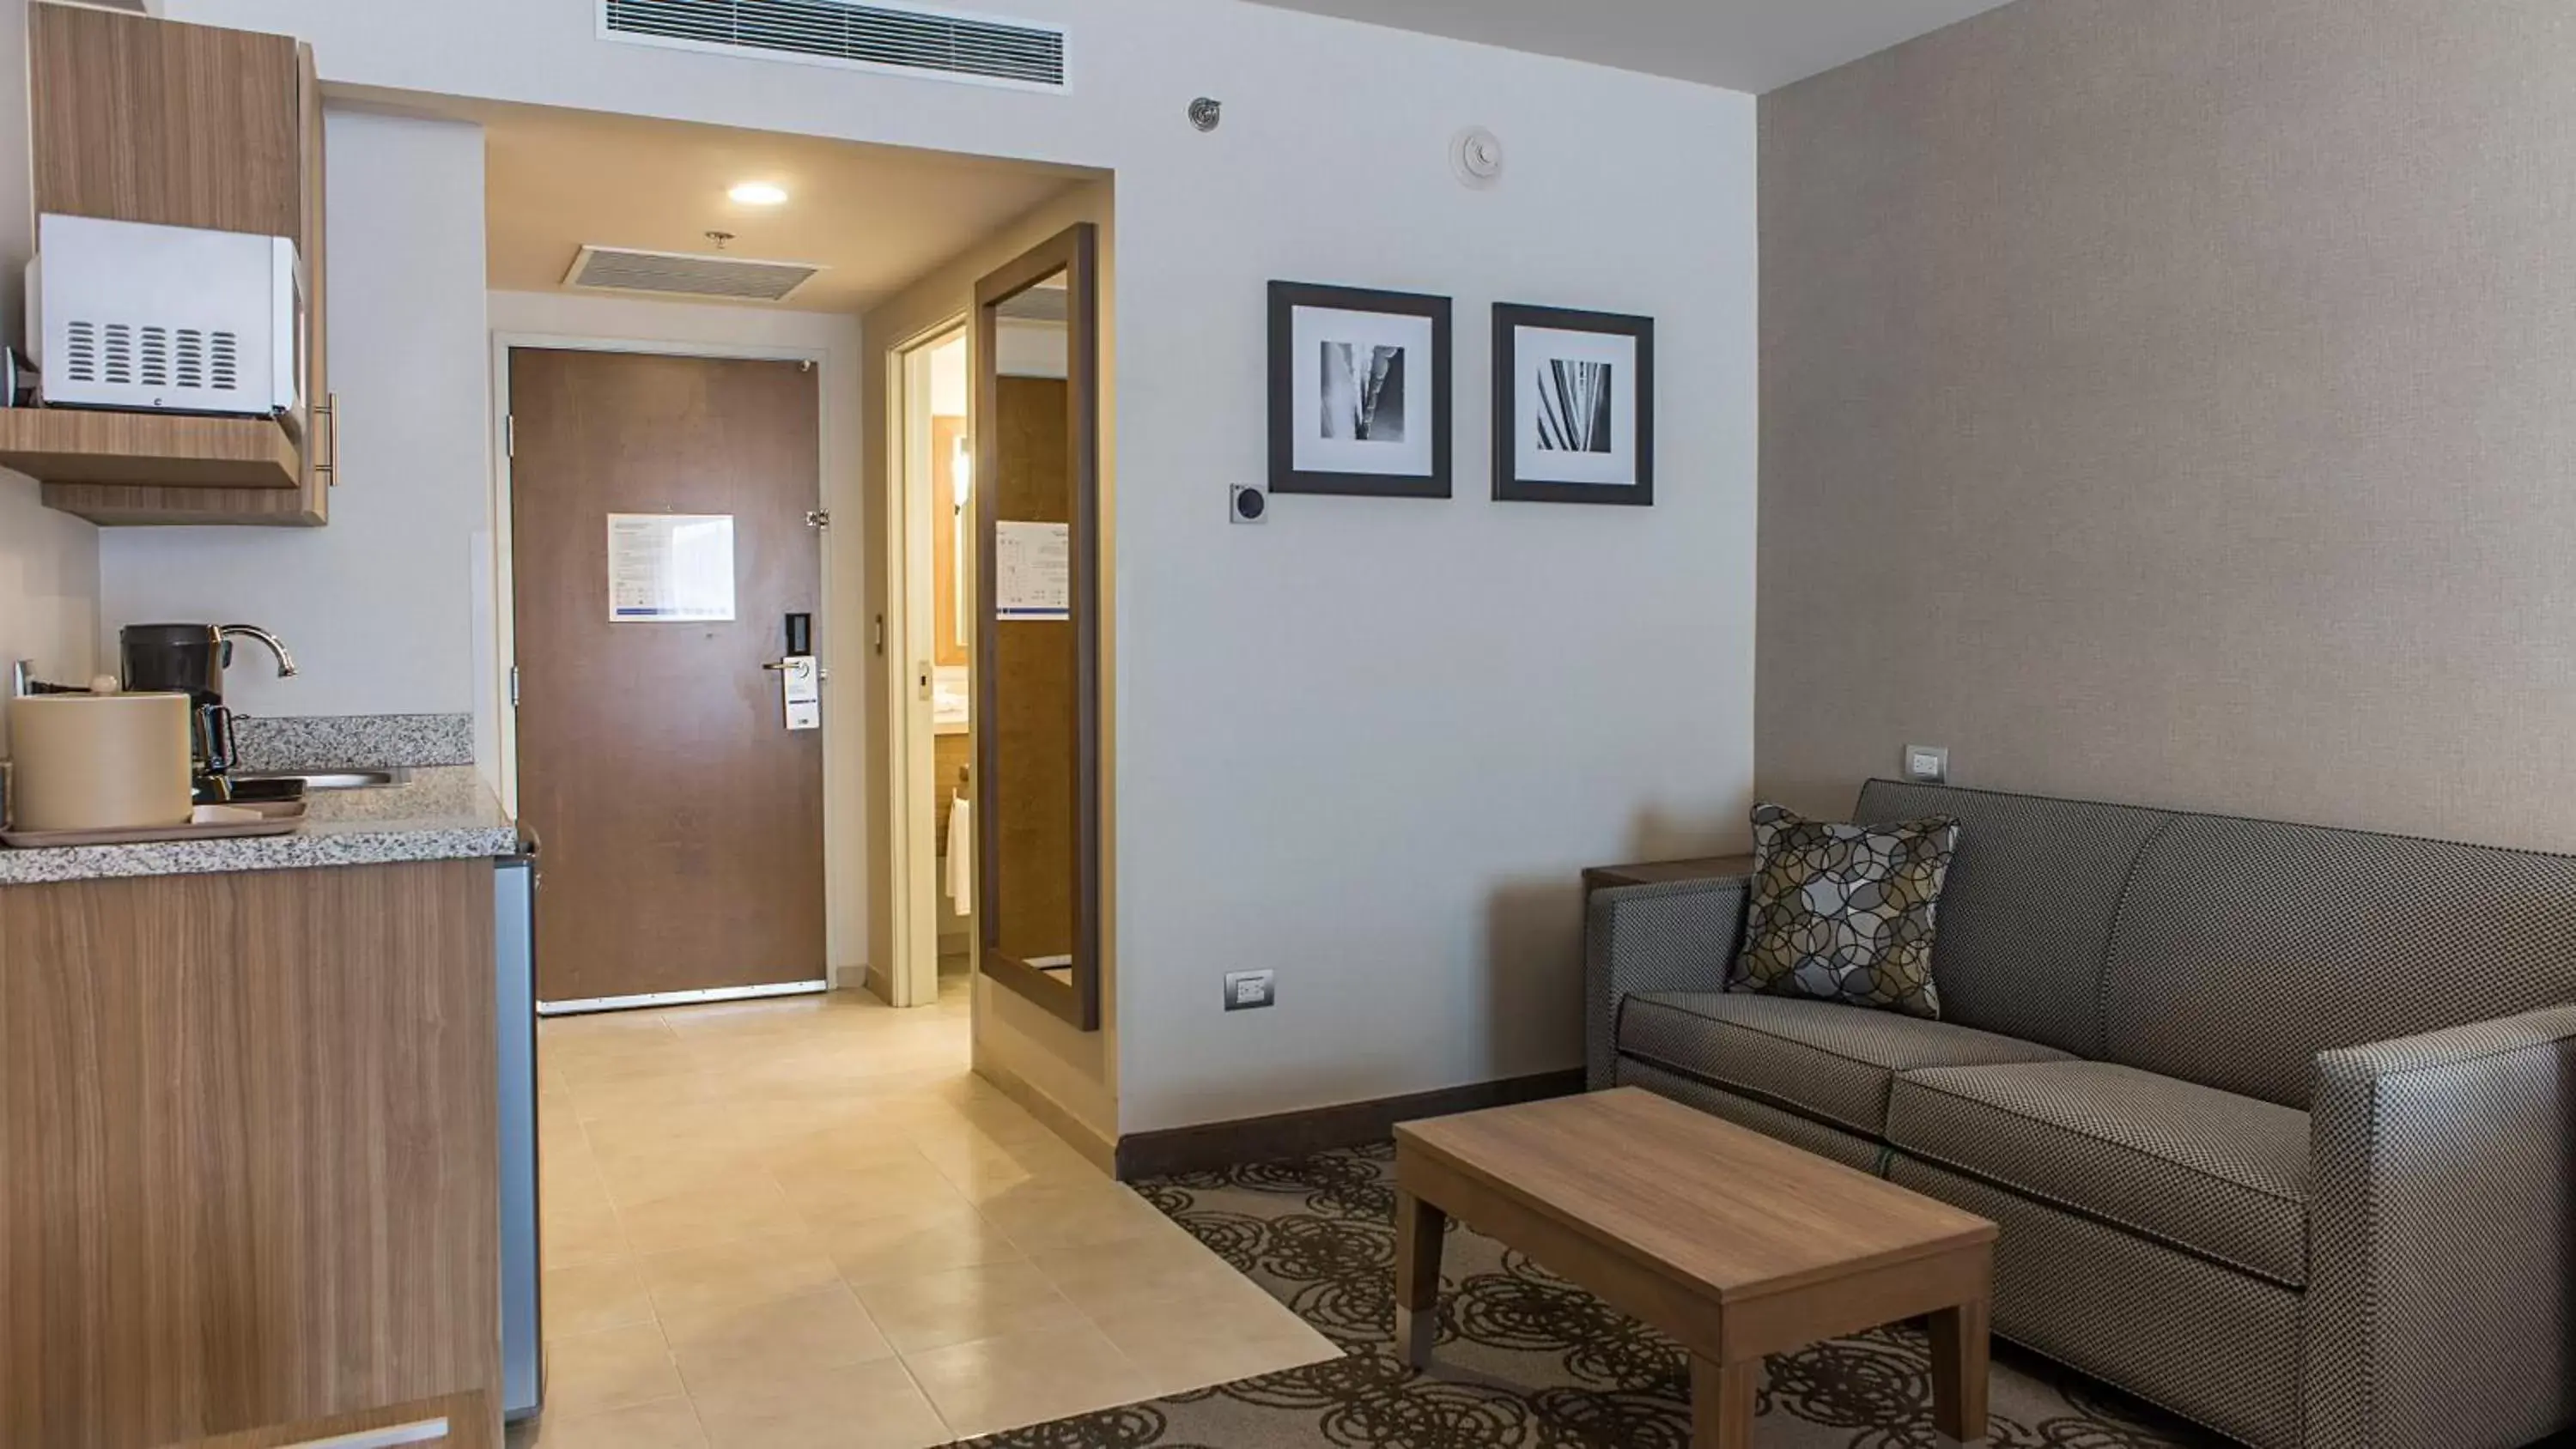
[48, 589]
[523, 316]
[378, 606]
[1370, 743]
[48, 560]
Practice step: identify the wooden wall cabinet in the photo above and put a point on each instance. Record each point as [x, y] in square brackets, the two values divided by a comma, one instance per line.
[137, 119]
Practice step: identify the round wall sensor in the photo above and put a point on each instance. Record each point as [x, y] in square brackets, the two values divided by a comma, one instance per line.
[1476, 154]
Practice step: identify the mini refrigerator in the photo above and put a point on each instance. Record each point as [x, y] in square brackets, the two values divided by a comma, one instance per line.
[523, 1370]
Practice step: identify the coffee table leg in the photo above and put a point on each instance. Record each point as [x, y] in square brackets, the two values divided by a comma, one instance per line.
[1722, 1397]
[1959, 1346]
[1418, 1227]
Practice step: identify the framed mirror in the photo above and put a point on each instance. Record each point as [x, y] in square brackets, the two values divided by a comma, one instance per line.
[1037, 608]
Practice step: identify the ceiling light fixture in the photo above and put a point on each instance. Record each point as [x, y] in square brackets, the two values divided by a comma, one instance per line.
[758, 193]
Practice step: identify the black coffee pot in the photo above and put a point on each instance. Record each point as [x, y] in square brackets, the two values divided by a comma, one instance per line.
[190, 659]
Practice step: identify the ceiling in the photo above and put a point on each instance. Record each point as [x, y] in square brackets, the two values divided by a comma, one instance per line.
[1745, 45]
[876, 217]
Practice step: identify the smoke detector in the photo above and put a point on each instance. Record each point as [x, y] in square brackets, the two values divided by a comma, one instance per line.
[1476, 154]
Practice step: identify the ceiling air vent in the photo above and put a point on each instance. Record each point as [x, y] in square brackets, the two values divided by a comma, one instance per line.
[687, 274]
[905, 39]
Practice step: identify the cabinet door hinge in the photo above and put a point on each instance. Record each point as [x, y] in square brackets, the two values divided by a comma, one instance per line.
[514, 686]
[510, 434]
[818, 518]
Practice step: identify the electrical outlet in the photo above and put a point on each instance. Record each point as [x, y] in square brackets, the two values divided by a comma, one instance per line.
[1245, 990]
[1927, 764]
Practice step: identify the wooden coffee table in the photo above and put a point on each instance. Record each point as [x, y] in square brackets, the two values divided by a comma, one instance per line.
[1732, 1243]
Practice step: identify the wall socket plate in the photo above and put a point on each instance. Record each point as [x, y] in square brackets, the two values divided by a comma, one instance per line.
[1245, 990]
[1927, 764]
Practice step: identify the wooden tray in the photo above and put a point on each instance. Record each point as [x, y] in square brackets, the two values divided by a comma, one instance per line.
[274, 824]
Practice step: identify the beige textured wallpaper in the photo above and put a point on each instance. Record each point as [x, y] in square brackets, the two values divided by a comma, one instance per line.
[2174, 402]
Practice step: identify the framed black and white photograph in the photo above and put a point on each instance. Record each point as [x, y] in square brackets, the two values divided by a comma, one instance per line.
[1359, 392]
[1574, 406]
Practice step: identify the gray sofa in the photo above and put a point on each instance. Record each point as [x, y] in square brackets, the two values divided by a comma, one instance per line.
[2279, 1122]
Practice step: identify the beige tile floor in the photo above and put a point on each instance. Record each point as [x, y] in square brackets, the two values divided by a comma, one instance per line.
[807, 1223]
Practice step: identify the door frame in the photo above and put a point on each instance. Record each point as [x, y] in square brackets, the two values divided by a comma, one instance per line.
[844, 711]
[912, 796]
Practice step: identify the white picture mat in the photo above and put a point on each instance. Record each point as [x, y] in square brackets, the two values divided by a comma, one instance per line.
[1309, 329]
[670, 568]
[1032, 570]
[1532, 348]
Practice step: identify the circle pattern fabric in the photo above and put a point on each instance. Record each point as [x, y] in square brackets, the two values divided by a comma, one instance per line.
[1845, 912]
[1524, 1359]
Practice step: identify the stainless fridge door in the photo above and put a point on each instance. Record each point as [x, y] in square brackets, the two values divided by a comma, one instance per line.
[522, 1339]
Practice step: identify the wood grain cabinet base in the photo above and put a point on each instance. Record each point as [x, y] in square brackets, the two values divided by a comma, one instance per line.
[249, 1129]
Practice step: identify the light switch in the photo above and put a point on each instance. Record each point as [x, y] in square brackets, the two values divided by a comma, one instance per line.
[1927, 764]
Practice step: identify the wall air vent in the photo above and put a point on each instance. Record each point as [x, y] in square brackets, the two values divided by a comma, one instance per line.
[905, 39]
[687, 274]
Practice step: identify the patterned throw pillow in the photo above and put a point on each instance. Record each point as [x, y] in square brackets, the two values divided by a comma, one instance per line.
[1844, 912]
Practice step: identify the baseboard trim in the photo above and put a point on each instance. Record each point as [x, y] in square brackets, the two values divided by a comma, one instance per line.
[1099, 1151]
[1287, 1135]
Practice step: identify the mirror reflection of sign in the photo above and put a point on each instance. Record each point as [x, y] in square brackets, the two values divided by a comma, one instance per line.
[1032, 571]
[670, 567]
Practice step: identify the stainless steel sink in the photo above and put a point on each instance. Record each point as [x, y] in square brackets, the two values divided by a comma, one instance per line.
[326, 779]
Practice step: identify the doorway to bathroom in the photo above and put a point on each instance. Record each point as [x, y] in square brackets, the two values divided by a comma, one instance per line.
[935, 522]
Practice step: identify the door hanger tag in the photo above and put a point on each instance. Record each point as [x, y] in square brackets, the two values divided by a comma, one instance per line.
[801, 685]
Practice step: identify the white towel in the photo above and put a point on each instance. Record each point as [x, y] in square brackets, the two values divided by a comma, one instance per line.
[961, 854]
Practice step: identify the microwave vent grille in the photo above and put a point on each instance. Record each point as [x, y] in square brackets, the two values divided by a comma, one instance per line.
[80, 361]
[152, 356]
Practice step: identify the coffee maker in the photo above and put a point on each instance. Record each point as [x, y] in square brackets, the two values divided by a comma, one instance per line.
[190, 659]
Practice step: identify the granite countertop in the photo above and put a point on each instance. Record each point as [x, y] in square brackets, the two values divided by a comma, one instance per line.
[439, 813]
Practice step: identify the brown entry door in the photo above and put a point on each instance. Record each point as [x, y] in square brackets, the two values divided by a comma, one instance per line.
[680, 821]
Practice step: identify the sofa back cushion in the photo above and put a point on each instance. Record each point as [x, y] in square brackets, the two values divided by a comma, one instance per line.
[2245, 947]
[2027, 908]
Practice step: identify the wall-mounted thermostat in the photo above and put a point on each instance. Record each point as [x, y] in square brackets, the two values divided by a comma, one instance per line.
[1927, 764]
[1246, 504]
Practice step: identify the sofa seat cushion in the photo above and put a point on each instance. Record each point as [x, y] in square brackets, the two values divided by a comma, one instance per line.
[1824, 1059]
[2210, 1172]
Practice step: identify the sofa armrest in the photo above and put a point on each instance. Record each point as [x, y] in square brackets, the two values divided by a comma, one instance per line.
[2442, 1251]
[1675, 937]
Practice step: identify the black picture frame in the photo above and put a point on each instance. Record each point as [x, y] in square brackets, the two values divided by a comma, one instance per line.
[1286, 299]
[1509, 486]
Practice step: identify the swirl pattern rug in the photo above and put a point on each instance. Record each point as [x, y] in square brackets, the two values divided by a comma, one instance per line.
[1525, 1360]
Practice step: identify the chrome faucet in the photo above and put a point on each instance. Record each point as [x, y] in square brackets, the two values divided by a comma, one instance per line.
[23, 681]
[225, 633]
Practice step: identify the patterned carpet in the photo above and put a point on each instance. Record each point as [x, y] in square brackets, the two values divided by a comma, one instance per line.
[1524, 1360]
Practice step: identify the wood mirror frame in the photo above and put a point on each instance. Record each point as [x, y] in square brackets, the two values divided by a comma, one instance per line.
[1074, 253]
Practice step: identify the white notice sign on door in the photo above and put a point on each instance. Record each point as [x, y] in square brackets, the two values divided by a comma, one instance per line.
[1032, 570]
[670, 567]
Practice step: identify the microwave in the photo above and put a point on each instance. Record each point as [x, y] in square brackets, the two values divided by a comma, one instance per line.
[123, 314]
